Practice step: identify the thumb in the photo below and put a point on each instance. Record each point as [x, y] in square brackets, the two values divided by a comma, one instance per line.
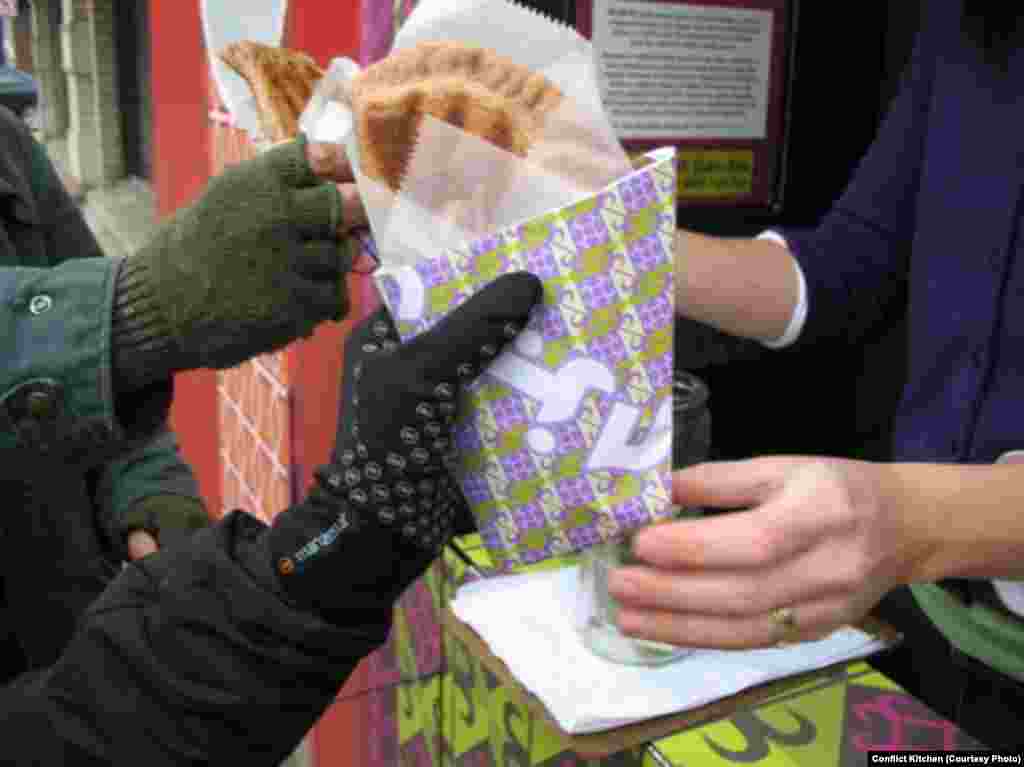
[478, 330]
[141, 544]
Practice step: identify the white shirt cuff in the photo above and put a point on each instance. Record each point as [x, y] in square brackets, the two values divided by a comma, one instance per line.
[799, 316]
[1011, 591]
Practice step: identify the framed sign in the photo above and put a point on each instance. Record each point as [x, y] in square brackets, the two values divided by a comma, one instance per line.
[709, 77]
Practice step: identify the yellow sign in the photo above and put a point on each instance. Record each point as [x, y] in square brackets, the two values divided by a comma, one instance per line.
[716, 173]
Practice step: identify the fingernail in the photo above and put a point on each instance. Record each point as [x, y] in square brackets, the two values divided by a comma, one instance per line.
[622, 584]
[629, 623]
[644, 545]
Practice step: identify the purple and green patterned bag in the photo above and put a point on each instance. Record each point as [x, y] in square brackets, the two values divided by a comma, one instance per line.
[565, 440]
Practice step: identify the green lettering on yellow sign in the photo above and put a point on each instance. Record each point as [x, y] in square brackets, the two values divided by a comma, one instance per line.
[716, 173]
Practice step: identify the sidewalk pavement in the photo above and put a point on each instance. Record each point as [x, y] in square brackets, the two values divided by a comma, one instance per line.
[122, 215]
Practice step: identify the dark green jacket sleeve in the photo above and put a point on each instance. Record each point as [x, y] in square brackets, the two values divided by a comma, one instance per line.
[146, 486]
[56, 299]
[55, 347]
[73, 279]
[154, 467]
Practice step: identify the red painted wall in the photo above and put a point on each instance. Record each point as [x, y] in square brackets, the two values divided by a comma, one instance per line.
[181, 148]
[324, 29]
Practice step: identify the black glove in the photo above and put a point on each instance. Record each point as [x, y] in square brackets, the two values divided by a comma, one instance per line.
[55, 560]
[250, 266]
[379, 513]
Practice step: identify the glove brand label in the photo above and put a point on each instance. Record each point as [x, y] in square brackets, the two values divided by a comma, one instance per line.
[323, 540]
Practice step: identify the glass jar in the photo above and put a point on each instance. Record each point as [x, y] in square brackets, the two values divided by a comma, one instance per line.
[596, 609]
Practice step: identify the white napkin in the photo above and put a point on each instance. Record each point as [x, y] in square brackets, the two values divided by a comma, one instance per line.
[527, 622]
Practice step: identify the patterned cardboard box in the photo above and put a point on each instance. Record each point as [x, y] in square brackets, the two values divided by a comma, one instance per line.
[826, 721]
[413, 650]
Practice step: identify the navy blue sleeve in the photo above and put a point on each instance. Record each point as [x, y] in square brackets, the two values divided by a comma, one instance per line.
[856, 260]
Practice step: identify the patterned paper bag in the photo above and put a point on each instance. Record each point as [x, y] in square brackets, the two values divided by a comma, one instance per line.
[565, 440]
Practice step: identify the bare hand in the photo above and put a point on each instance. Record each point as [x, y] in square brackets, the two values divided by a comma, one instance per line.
[816, 538]
[330, 162]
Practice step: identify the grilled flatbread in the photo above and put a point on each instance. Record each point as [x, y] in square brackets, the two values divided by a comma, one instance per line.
[282, 82]
[471, 88]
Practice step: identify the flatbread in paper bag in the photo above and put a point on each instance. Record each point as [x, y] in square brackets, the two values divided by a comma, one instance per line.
[565, 440]
[483, 114]
[473, 88]
[281, 80]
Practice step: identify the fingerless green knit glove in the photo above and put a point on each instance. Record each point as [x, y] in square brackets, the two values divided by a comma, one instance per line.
[250, 266]
[170, 519]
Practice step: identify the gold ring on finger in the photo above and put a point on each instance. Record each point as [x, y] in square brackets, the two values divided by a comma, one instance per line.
[784, 620]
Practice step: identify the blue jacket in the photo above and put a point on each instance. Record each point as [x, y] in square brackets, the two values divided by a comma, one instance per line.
[933, 217]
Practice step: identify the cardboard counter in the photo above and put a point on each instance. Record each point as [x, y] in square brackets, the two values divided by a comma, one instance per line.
[438, 697]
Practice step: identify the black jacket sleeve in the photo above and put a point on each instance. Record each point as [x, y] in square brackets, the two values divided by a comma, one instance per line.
[191, 656]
